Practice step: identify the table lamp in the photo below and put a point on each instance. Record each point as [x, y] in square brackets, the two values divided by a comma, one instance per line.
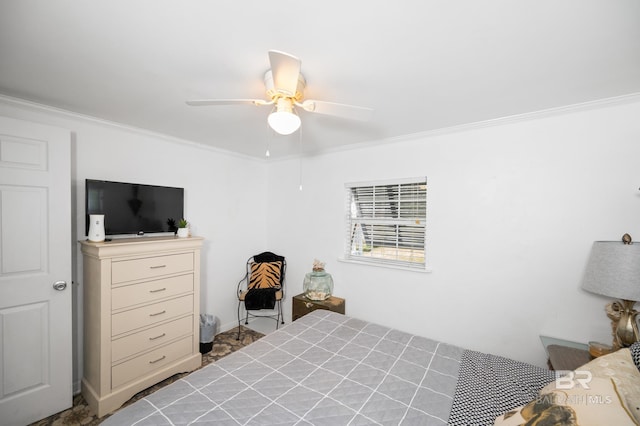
[613, 270]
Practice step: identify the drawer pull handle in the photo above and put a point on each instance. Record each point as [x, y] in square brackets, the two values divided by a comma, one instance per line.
[158, 266]
[308, 305]
[158, 290]
[158, 313]
[157, 337]
[158, 360]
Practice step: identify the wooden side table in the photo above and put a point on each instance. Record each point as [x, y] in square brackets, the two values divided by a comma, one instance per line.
[566, 358]
[302, 306]
[565, 354]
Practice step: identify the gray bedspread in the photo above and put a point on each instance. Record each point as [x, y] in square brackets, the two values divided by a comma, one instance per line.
[323, 369]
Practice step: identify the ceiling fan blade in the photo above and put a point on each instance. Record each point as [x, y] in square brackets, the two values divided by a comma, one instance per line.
[204, 102]
[285, 69]
[340, 110]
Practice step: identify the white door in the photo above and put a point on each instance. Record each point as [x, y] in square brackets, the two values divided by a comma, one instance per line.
[35, 265]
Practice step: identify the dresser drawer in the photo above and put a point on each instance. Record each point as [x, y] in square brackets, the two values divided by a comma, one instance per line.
[150, 314]
[147, 339]
[150, 267]
[146, 363]
[150, 291]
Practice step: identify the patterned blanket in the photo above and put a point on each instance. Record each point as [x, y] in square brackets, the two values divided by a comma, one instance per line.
[489, 386]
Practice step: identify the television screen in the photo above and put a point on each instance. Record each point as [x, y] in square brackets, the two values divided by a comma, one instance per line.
[132, 208]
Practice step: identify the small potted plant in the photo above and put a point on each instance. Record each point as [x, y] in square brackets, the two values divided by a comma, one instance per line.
[183, 228]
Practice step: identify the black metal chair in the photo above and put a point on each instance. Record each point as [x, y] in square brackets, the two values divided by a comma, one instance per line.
[262, 288]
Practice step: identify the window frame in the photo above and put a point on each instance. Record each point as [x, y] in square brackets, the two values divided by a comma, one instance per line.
[397, 235]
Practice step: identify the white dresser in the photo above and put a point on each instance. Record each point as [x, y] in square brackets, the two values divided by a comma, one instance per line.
[141, 315]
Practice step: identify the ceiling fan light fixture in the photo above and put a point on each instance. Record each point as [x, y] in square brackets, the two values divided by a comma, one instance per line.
[285, 84]
[283, 120]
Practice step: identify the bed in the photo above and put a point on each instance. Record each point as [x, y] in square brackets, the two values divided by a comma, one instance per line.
[331, 369]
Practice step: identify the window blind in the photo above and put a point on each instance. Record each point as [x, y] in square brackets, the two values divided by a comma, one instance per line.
[386, 222]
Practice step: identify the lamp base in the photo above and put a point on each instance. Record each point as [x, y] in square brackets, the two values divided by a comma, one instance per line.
[623, 322]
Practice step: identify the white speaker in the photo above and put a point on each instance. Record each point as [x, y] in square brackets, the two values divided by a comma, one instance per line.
[96, 227]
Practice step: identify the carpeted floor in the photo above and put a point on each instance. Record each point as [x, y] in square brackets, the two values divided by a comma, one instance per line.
[223, 344]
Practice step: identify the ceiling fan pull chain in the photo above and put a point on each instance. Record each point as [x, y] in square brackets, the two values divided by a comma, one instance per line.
[300, 155]
[268, 140]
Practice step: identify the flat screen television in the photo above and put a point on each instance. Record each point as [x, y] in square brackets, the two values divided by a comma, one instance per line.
[133, 208]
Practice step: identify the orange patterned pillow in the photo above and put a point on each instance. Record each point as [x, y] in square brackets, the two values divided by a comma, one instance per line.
[265, 275]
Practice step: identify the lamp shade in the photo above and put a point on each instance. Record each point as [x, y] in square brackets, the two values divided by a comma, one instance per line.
[614, 270]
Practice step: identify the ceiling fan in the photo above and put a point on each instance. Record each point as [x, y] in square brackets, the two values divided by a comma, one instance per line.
[285, 91]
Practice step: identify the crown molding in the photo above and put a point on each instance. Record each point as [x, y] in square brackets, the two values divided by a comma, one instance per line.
[511, 119]
[71, 115]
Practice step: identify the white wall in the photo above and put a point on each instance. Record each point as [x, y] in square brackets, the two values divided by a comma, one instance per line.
[512, 212]
[222, 194]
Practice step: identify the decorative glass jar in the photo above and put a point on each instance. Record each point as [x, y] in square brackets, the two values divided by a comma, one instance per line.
[317, 285]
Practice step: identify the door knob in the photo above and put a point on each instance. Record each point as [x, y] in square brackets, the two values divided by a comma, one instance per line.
[60, 285]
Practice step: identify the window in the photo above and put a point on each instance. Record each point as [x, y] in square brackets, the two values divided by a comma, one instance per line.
[386, 222]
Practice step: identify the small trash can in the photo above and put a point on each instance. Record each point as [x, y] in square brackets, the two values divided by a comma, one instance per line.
[207, 332]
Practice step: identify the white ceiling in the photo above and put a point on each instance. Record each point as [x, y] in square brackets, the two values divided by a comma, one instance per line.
[421, 65]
